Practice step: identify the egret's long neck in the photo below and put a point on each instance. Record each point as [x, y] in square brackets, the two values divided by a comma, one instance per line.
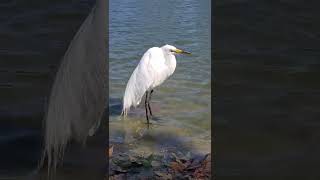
[171, 62]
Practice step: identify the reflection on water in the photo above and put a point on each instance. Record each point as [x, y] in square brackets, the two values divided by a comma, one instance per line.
[181, 105]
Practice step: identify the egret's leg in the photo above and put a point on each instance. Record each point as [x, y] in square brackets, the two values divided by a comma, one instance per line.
[149, 102]
[145, 105]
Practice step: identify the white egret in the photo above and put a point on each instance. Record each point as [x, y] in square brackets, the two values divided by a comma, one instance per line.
[155, 66]
[78, 96]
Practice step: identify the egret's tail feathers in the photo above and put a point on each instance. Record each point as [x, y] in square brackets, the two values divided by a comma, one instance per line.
[94, 128]
[135, 89]
[124, 112]
[78, 95]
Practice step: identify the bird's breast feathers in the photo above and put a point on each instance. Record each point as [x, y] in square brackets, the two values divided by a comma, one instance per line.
[155, 66]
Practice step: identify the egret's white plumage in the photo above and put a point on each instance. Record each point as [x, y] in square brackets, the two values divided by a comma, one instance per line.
[155, 66]
[78, 95]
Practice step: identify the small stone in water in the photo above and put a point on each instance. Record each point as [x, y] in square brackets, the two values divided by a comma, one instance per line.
[155, 164]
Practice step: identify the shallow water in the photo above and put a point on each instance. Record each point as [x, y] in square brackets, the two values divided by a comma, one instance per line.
[181, 105]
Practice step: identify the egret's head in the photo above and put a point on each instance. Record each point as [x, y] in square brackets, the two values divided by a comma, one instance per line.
[173, 50]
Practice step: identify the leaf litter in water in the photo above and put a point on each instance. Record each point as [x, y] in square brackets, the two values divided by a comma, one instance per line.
[180, 166]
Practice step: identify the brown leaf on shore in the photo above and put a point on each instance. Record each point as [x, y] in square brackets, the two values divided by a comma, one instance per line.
[110, 151]
[177, 167]
[204, 171]
[191, 168]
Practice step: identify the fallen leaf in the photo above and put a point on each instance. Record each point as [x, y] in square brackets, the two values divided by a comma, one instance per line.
[110, 151]
[177, 167]
[205, 169]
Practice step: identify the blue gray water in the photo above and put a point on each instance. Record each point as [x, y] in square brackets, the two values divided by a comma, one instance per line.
[182, 105]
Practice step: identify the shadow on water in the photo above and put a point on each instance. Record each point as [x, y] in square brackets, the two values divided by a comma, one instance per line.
[137, 138]
[133, 133]
[153, 142]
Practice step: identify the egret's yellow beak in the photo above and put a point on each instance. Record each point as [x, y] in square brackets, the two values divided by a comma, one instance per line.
[179, 51]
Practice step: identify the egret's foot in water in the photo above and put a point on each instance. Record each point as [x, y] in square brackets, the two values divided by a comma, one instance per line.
[149, 124]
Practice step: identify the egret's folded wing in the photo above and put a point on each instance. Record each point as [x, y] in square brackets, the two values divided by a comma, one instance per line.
[141, 79]
[78, 95]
